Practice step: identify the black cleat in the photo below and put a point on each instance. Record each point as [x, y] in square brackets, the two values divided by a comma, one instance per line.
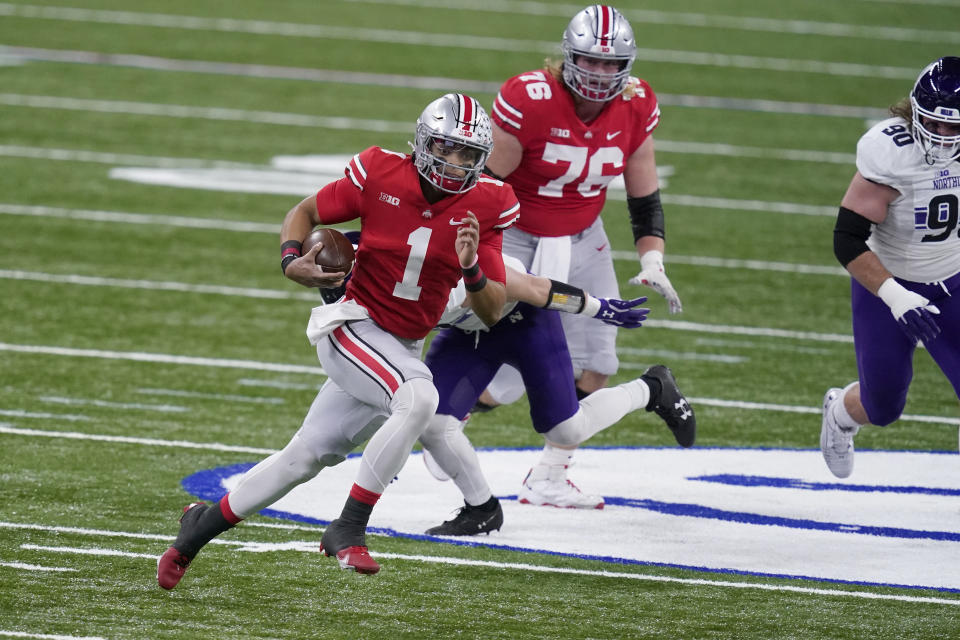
[348, 543]
[670, 405]
[471, 521]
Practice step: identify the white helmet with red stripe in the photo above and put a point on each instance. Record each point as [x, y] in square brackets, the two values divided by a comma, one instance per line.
[599, 31]
[452, 127]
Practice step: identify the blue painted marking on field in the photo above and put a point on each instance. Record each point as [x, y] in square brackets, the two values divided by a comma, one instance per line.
[207, 485]
[701, 511]
[793, 483]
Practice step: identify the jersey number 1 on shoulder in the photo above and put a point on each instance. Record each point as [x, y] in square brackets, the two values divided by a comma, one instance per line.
[408, 289]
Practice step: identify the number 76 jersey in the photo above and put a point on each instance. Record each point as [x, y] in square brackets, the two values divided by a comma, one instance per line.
[919, 240]
[562, 179]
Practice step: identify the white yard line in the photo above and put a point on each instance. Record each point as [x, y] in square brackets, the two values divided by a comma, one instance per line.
[707, 20]
[179, 393]
[34, 567]
[450, 40]
[164, 358]
[310, 547]
[152, 442]
[105, 404]
[45, 636]
[89, 552]
[361, 124]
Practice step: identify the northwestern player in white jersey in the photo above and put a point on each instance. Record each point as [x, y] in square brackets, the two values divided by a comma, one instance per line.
[465, 356]
[897, 234]
[561, 134]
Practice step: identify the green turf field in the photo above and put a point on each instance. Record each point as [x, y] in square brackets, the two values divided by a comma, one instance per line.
[141, 323]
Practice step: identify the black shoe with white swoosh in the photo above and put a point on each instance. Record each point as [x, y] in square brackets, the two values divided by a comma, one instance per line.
[471, 521]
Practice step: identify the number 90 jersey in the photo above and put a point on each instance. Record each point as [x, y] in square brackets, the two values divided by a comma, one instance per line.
[562, 178]
[407, 260]
[919, 240]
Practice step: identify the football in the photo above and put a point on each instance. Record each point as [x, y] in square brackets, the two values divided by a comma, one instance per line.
[337, 252]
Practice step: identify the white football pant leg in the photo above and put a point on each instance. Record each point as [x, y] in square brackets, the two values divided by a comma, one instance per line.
[598, 411]
[413, 404]
[453, 452]
[506, 386]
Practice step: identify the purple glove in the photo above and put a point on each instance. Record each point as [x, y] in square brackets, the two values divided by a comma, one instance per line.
[919, 324]
[622, 313]
[913, 313]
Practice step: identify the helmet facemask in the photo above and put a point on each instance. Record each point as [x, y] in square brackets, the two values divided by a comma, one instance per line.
[936, 98]
[938, 148]
[599, 32]
[453, 142]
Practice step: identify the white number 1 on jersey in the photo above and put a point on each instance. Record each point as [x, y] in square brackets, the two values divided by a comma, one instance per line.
[408, 289]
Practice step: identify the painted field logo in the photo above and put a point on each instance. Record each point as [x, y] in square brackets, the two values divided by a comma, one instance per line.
[748, 511]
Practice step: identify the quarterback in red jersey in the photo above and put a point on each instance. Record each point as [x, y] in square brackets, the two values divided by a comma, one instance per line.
[561, 134]
[428, 220]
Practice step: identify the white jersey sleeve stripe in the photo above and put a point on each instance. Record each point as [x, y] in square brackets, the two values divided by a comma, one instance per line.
[507, 107]
[510, 213]
[356, 172]
[654, 120]
[507, 113]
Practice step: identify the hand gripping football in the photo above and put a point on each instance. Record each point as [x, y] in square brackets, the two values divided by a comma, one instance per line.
[337, 252]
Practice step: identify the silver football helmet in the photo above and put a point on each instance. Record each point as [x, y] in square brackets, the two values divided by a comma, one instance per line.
[452, 127]
[599, 31]
[936, 101]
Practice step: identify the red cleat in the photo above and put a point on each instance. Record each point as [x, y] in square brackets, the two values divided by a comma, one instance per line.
[348, 543]
[173, 563]
[170, 568]
[356, 558]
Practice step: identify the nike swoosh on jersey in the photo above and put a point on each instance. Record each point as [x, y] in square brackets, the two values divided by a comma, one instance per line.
[611, 136]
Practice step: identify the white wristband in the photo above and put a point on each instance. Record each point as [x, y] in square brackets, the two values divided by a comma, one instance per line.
[898, 298]
[652, 259]
[892, 292]
[591, 307]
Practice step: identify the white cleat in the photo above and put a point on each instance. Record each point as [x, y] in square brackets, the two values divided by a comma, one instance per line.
[555, 490]
[836, 442]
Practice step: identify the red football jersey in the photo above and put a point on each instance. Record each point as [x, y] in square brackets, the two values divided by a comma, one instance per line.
[566, 167]
[407, 261]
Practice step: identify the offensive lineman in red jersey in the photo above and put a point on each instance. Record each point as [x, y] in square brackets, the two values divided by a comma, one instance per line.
[561, 134]
[428, 220]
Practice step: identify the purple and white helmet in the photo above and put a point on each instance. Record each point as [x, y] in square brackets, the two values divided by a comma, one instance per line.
[454, 121]
[936, 96]
[599, 31]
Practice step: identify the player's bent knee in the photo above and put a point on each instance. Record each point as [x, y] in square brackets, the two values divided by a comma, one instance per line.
[417, 398]
[882, 414]
[299, 463]
[569, 432]
[436, 432]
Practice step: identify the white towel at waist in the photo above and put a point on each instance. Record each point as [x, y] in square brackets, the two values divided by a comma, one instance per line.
[552, 258]
[326, 318]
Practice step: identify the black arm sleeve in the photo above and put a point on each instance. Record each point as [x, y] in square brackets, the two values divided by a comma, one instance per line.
[850, 235]
[646, 215]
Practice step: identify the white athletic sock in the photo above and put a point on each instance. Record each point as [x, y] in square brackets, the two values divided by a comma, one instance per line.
[551, 458]
[840, 413]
